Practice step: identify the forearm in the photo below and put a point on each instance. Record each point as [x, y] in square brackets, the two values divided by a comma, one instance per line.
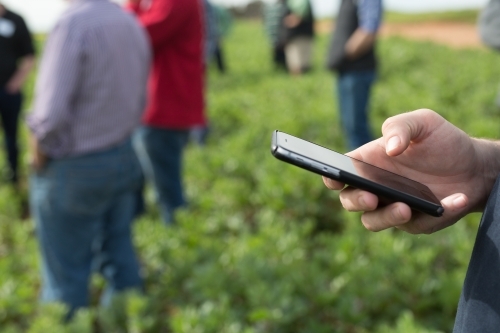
[488, 156]
[19, 78]
[58, 81]
[359, 43]
[292, 20]
[25, 67]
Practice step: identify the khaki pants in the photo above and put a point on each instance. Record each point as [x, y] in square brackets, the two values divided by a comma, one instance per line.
[299, 54]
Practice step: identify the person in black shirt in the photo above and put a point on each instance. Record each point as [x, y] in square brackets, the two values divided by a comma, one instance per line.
[297, 34]
[17, 58]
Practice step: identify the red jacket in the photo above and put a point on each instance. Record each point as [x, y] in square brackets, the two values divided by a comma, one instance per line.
[176, 83]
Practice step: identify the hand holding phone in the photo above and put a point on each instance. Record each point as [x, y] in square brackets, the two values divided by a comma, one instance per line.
[425, 147]
[388, 186]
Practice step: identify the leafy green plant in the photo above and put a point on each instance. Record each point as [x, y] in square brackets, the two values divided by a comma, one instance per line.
[264, 246]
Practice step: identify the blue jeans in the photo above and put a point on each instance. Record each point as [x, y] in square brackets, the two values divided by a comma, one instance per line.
[354, 94]
[83, 208]
[10, 108]
[160, 153]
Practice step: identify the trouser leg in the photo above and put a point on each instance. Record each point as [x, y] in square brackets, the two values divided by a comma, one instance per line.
[353, 95]
[65, 244]
[279, 57]
[83, 208]
[10, 108]
[219, 58]
[117, 259]
[160, 152]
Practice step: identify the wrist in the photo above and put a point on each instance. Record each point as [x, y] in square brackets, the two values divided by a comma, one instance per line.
[488, 164]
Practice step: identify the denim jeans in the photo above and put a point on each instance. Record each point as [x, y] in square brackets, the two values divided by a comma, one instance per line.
[479, 305]
[10, 108]
[160, 153]
[83, 209]
[354, 94]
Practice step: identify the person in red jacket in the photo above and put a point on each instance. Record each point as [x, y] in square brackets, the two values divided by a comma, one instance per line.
[176, 93]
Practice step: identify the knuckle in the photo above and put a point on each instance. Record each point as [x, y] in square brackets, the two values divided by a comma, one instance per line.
[388, 124]
[368, 226]
[346, 204]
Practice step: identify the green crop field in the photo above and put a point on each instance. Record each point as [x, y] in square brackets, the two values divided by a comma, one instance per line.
[464, 16]
[264, 247]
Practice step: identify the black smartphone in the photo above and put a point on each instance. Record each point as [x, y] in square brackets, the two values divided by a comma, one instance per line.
[388, 186]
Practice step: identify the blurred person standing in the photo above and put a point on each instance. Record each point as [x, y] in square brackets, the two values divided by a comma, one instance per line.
[224, 23]
[176, 94]
[211, 32]
[297, 35]
[218, 23]
[352, 56]
[90, 95]
[17, 59]
[273, 16]
[198, 134]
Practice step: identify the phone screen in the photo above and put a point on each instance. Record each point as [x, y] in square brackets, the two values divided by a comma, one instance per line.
[361, 169]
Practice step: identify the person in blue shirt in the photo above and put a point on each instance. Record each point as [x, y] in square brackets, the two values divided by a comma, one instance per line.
[352, 56]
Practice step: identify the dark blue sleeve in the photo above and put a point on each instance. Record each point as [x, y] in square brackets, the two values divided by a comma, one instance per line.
[479, 305]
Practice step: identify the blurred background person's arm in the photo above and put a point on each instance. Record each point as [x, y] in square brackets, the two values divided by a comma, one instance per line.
[299, 9]
[57, 84]
[16, 82]
[363, 39]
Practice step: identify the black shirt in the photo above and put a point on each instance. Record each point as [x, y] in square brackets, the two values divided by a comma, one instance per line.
[15, 43]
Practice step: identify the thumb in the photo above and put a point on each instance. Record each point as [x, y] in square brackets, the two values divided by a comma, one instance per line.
[455, 203]
[455, 206]
[399, 131]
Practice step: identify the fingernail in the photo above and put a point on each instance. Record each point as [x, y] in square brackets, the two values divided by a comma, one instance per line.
[393, 143]
[459, 202]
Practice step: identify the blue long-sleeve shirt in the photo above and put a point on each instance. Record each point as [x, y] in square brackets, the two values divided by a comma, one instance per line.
[370, 15]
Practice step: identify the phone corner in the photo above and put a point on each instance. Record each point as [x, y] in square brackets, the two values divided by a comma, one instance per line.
[440, 211]
[274, 142]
